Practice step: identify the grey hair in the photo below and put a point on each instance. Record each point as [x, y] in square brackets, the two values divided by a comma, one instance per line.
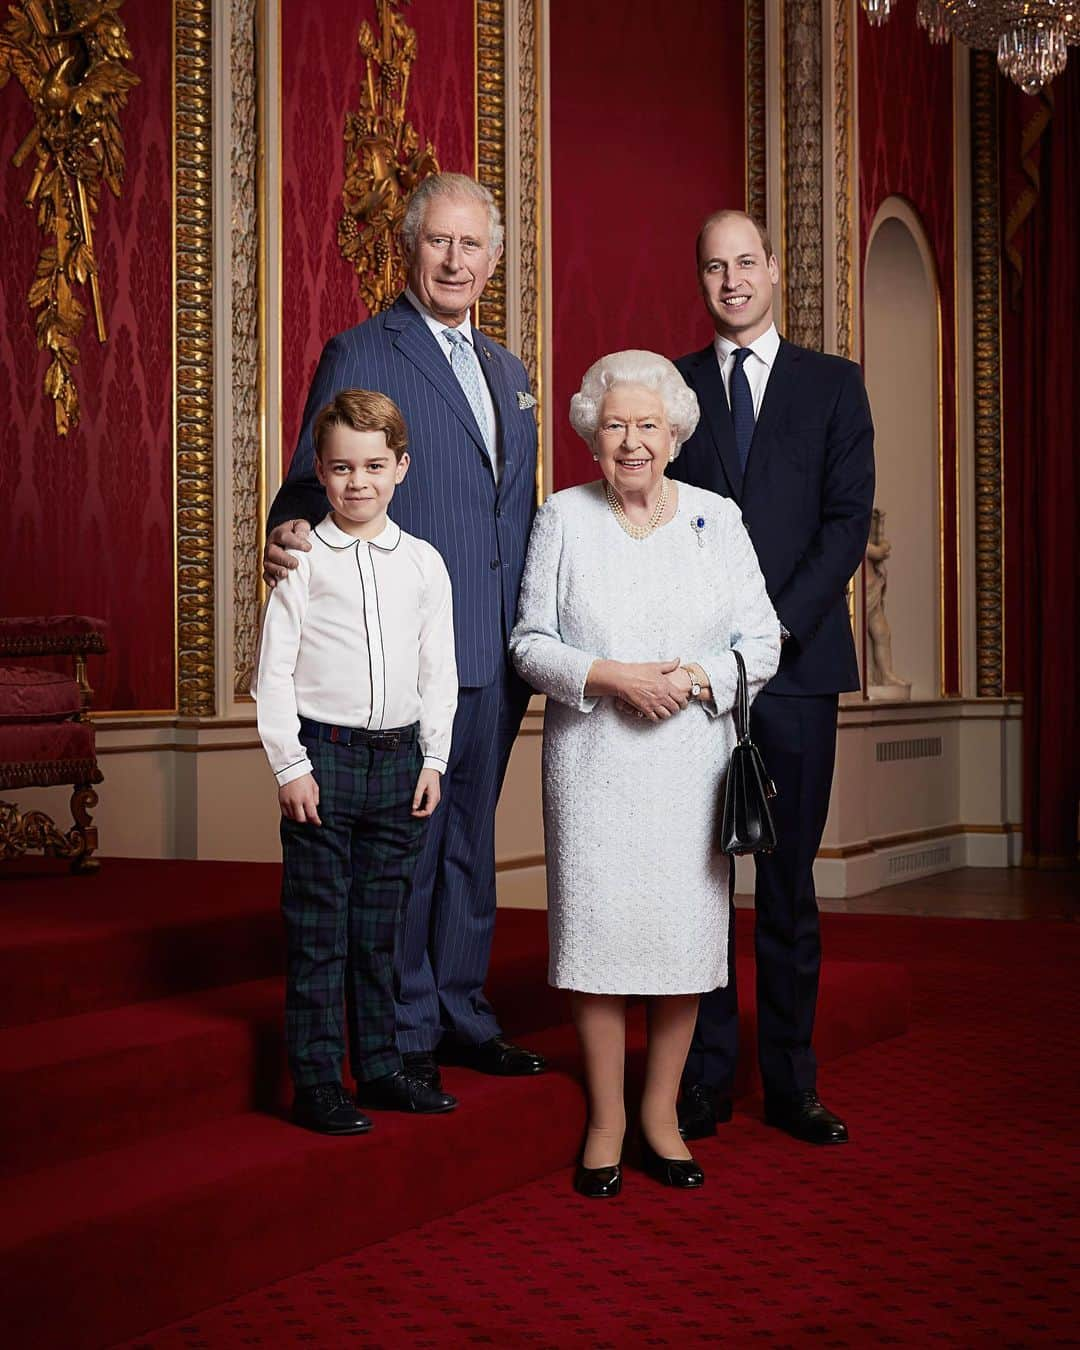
[449, 185]
[633, 367]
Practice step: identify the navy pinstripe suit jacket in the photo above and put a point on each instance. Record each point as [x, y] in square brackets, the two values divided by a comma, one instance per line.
[449, 496]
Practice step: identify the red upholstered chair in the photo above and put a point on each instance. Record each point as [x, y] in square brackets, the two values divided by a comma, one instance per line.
[46, 739]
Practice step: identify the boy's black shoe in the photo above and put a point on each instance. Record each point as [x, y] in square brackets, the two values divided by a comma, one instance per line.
[401, 1091]
[329, 1109]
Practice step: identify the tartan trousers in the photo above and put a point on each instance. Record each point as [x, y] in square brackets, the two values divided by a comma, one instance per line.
[345, 886]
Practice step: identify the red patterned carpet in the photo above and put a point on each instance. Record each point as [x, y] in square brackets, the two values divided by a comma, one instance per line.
[951, 1219]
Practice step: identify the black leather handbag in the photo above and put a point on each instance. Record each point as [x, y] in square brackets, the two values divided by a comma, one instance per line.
[746, 824]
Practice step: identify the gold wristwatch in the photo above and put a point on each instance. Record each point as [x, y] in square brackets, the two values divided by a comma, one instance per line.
[695, 680]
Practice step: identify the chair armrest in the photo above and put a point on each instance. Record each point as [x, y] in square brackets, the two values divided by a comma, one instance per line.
[56, 634]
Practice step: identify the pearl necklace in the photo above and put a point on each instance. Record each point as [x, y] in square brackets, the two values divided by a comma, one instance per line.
[636, 531]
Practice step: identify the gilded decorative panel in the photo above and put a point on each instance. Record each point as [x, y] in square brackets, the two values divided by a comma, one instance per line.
[986, 260]
[844, 177]
[248, 338]
[802, 173]
[193, 356]
[756, 155]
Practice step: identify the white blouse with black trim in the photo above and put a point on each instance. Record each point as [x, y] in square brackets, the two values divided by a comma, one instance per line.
[359, 634]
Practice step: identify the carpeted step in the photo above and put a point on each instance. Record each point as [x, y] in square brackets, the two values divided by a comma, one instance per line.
[96, 1249]
[77, 1086]
[134, 931]
[80, 1085]
[138, 931]
[148, 1232]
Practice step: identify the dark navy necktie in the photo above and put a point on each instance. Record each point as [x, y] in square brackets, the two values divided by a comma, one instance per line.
[742, 407]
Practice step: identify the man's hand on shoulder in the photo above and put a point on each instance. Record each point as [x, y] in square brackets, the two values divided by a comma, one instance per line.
[277, 561]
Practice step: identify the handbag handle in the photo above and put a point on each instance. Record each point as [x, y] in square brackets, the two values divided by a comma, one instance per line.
[741, 709]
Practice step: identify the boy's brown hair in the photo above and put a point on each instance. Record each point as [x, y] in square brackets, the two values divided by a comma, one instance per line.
[363, 410]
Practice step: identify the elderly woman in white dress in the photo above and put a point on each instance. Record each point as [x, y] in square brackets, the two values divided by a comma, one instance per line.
[636, 591]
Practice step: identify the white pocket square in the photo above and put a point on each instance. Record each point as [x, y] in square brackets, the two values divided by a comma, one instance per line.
[525, 400]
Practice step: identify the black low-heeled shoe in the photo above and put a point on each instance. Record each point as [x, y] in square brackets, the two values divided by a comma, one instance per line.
[598, 1183]
[682, 1173]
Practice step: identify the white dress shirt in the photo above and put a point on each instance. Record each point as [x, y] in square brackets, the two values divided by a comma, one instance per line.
[438, 328]
[757, 367]
[359, 634]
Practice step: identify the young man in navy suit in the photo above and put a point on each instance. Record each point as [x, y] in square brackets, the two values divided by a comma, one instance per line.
[471, 493]
[787, 433]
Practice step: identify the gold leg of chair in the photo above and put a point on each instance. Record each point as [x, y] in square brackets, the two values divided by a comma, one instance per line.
[83, 835]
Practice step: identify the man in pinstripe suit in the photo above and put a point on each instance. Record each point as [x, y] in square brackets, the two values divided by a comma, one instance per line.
[470, 492]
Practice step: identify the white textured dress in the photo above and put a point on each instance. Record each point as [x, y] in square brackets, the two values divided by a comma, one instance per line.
[637, 886]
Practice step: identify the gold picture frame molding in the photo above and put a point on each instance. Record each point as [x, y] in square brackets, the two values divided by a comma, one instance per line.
[193, 357]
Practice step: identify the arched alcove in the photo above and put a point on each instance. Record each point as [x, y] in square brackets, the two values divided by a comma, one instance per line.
[902, 334]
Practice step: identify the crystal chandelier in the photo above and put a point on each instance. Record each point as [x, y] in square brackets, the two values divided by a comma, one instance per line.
[877, 11]
[931, 18]
[1031, 37]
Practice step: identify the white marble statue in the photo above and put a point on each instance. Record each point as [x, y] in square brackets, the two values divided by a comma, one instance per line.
[883, 681]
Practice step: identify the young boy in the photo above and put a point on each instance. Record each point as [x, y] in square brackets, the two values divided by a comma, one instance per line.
[356, 687]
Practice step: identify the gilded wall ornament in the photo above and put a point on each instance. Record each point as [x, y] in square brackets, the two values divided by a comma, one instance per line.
[383, 159]
[68, 56]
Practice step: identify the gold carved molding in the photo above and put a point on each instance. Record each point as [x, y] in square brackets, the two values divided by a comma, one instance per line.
[69, 61]
[491, 145]
[803, 184]
[844, 176]
[248, 336]
[494, 131]
[530, 184]
[756, 151]
[26, 831]
[383, 159]
[986, 266]
[193, 348]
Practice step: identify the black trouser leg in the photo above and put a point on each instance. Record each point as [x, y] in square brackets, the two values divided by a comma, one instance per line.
[797, 739]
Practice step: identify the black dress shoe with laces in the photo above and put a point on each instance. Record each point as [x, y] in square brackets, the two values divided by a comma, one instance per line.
[421, 1064]
[329, 1109]
[499, 1057]
[402, 1092]
[804, 1117]
[701, 1109]
[682, 1173]
[598, 1183]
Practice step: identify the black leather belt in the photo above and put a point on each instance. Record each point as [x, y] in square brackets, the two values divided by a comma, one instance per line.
[377, 740]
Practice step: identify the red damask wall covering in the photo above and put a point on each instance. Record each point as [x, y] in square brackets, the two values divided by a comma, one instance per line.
[905, 104]
[647, 137]
[321, 73]
[88, 518]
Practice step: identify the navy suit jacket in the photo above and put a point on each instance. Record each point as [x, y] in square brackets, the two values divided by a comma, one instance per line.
[449, 495]
[806, 498]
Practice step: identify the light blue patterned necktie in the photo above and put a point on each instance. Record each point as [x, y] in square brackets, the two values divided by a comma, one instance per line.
[466, 366]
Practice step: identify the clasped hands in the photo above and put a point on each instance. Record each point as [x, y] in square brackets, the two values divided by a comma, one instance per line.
[654, 690]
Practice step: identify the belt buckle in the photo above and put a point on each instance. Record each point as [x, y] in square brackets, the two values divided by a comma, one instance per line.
[391, 740]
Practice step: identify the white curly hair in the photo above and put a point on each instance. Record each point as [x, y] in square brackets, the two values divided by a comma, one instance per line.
[634, 367]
